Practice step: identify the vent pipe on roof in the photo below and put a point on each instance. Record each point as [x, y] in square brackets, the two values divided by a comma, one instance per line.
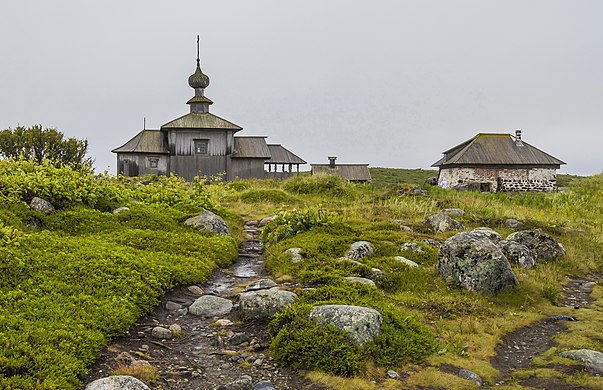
[518, 138]
[332, 162]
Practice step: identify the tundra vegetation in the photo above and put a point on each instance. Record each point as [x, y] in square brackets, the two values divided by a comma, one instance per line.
[72, 280]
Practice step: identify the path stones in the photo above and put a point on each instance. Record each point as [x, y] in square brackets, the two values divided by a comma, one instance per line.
[361, 323]
[264, 385]
[117, 382]
[206, 220]
[475, 263]
[263, 304]
[210, 306]
[244, 383]
[160, 332]
[592, 359]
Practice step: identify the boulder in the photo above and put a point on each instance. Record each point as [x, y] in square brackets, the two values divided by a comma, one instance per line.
[206, 220]
[412, 246]
[392, 374]
[592, 359]
[543, 246]
[41, 205]
[472, 376]
[264, 385]
[263, 304]
[488, 232]
[262, 284]
[475, 263]
[210, 306]
[517, 253]
[361, 323]
[117, 382]
[195, 290]
[295, 254]
[355, 279]
[360, 250]
[244, 383]
[442, 222]
[514, 224]
[406, 261]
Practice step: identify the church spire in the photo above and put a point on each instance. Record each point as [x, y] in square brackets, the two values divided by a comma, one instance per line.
[199, 81]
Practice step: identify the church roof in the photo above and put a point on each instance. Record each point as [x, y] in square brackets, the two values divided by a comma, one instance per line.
[280, 155]
[496, 149]
[147, 141]
[251, 147]
[194, 120]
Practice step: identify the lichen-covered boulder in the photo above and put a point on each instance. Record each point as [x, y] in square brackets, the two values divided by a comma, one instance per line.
[360, 250]
[41, 205]
[592, 359]
[263, 304]
[488, 232]
[206, 220]
[517, 253]
[442, 222]
[210, 306]
[475, 263]
[361, 323]
[117, 382]
[543, 246]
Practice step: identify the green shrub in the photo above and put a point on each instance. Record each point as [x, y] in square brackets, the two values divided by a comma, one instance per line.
[289, 223]
[266, 196]
[326, 185]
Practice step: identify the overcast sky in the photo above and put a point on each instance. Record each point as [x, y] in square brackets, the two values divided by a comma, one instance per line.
[389, 83]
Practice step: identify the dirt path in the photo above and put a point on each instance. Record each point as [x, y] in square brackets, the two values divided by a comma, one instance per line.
[519, 347]
[207, 355]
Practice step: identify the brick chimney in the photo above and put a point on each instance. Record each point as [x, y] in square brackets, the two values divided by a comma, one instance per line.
[332, 162]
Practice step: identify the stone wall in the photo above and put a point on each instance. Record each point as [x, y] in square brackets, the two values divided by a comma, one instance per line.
[503, 179]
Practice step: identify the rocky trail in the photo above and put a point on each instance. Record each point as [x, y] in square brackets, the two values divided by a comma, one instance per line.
[519, 347]
[197, 352]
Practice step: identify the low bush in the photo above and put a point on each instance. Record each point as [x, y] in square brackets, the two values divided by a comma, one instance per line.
[289, 223]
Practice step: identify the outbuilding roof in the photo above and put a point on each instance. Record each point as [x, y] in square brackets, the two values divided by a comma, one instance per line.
[251, 147]
[147, 141]
[351, 172]
[207, 120]
[280, 155]
[496, 149]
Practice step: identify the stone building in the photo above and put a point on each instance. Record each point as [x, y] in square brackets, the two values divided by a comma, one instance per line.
[202, 144]
[498, 162]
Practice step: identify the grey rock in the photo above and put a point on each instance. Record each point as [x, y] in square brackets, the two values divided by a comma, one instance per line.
[472, 376]
[360, 250]
[475, 263]
[406, 261]
[117, 382]
[172, 307]
[376, 273]
[412, 246]
[432, 243]
[195, 290]
[264, 385]
[121, 209]
[442, 222]
[402, 225]
[262, 284]
[263, 304]
[361, 323]
[517, 253]
[208, 221]
[210, 306]
[244, 383]
[41, 205]
[355, 279]
[238, 338]
[267, 220]
[456, 212]
[514, 224]
[543, 246]
[175, 329]
[488, 232]
[160, 332]
[393, 374]
[295, 254]
[592, 359]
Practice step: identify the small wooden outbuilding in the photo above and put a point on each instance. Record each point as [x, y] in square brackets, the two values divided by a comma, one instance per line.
[493, 162]
[356, 173]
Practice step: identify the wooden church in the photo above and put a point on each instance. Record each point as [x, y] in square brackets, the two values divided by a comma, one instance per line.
[203, 144]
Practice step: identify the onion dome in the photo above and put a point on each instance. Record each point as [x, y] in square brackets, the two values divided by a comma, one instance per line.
[198, 79]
